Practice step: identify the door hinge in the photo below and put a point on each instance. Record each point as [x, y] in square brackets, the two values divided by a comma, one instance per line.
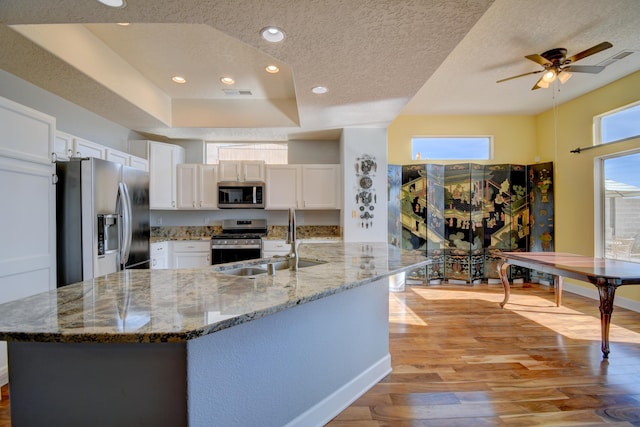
[54, 179]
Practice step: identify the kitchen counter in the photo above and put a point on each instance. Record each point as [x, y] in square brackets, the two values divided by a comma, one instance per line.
[315, 339]
[178, 305]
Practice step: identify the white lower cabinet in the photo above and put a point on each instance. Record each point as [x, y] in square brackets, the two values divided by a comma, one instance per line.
[190, 253]
[159, 255]
[180, 254]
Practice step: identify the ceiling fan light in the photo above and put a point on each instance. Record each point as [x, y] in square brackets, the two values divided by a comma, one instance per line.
[542, 83]
[549, 76]
[564, 76]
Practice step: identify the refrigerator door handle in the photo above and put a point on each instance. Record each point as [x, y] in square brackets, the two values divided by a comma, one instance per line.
[124, 202]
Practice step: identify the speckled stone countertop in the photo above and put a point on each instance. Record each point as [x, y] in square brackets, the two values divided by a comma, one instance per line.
[151, 306]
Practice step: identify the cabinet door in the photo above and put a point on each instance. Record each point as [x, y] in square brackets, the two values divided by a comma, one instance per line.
[208, 185]
[320, 187]
[62, 146]
[139, 163]
[229, 171]
[117, 156]
[159, 255]
[187, 186]
[163, 159]
[191, 259]
[84, 148]
[252, 170]
[283, 189]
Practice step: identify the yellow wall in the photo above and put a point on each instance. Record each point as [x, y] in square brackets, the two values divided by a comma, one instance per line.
[530, 139]
[514, 137]
[574, 173]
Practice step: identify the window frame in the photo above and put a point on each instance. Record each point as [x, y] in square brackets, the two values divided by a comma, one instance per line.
[597, 124]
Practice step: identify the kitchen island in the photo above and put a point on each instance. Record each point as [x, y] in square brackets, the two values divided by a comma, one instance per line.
[202, 347]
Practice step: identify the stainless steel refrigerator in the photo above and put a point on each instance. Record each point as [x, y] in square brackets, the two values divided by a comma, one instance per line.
[102, 218]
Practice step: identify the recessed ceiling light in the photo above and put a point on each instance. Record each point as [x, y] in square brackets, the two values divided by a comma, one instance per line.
[319, 90]
[179, 79]
[124, 24]
[272, 34]
[113, 3]
[272, 69]
[227, 80]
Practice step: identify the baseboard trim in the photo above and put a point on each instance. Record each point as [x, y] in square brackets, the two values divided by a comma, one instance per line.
[592, 293]
[325, 410]
[4, 375]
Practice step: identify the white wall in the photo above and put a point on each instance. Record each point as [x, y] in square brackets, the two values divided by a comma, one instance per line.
[353, 145]
[314, 152]
[70, 118]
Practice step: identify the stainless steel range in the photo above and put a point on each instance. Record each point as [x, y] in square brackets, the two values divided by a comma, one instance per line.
[241, 239]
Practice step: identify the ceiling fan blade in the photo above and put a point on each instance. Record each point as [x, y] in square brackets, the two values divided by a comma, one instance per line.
[593, 69]
[519, 75]
[592, 50]
[538, 60]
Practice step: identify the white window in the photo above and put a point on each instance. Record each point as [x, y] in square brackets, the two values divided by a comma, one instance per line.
[451, 147]
[618, 125]
[272, 153]
[620, 206]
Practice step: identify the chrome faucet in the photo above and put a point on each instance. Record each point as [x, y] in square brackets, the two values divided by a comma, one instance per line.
[291, 239]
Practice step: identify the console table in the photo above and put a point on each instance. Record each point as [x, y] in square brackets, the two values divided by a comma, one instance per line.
[605, 274]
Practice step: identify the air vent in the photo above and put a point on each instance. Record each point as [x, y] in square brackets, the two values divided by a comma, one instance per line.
[617, 57]
[236, 92]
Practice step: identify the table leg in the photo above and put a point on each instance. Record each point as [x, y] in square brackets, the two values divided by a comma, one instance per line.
[557, 285]
[502, 271]
[607, 293]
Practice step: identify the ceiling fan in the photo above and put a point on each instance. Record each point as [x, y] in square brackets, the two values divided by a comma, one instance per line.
[557, 65]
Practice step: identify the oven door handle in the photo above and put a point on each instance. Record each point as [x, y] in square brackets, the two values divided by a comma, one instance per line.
[218, 247]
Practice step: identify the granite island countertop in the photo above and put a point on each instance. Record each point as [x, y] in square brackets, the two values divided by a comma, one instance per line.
[153, 306]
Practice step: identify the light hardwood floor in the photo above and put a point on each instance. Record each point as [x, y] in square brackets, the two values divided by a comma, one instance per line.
[460, 360]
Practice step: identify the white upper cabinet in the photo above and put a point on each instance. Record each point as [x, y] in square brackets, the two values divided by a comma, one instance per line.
[187, 186]
[303, 186]
[117, 157]
[62, 146]
[139, 163]
[321, 186]
[208, 177]
[163, 162]
[84, 148]
[245, 170]
[282, 186]
[197, 186]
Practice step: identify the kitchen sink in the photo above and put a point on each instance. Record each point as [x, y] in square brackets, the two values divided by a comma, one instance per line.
[279, 264]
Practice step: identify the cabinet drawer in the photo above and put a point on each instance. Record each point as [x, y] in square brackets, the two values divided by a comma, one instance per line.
[192, 246]
[274, 245]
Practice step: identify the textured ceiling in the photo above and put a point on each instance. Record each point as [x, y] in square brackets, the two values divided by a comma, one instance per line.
[379, 58]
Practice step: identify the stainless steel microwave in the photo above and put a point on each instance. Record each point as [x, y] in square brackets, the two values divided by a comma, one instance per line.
[241, 195]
